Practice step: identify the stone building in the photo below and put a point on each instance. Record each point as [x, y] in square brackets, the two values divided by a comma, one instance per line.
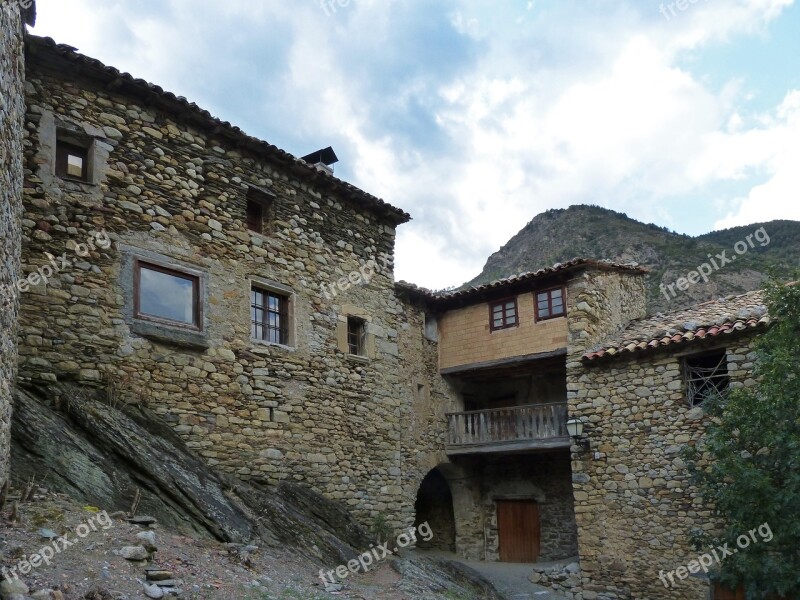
[522, 355]
[13, 16]
[641, 391]
[246, 295]
[249, 298]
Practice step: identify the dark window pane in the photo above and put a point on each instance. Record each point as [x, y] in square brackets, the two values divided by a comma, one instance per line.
[268, 316]
[167, 296]
[255, 216]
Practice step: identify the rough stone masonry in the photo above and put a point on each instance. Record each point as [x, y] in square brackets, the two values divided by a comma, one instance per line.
[12, 112]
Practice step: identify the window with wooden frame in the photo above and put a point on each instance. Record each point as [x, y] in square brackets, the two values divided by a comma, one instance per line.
[503, 314]
[269, 316]
[705, 376]
[72, 161]
[720, 592]
[356, 336]
[259, 210]
[167, 295]
[723, 593]
[550, 303]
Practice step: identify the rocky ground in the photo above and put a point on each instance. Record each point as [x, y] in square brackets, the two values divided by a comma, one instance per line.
[96, 556]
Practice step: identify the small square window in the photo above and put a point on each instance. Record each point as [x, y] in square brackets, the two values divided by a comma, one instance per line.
[549, 304]
[166, 295]
[705, 376]
[72, 161]
[259, 211]
[503, 314]
[269, 316]
[722, 593]
[356, 336]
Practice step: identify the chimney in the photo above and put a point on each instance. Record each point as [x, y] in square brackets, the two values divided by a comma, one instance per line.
[322, 160]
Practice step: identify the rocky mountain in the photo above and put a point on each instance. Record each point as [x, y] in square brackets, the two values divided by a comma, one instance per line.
[594, 232]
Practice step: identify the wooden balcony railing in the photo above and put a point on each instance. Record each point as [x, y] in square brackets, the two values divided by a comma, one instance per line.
[530, 426]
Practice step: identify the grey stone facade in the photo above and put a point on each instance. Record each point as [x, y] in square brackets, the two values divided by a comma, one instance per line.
[168, 186]
[635, 505]
[12, 112]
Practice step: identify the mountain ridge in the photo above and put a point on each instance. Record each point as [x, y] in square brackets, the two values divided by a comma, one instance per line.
[734, 260]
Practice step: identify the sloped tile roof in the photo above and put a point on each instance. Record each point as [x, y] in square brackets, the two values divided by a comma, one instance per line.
[574, 264]
[707, 320]
[42, 49]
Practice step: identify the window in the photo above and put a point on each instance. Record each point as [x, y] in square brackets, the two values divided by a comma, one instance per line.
[255, 216]
[549, 304]
[356, 336]
[72, 161]
[269, 316]
[705, 376]
[163, 294]
[503, 314]
[260, 208]
[723, 593]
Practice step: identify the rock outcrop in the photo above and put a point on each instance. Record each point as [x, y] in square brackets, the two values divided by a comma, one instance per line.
[102, 454]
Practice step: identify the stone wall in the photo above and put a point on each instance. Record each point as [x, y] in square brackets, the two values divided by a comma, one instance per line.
[162, 187]
[12, 111]
[543, 478]
[635, 506]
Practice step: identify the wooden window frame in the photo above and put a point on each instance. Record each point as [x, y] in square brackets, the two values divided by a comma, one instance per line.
[356, 338]
[502, 303]
[65, 149]
[549, 292]
[283, 313]
[692, 376]
[197, 305]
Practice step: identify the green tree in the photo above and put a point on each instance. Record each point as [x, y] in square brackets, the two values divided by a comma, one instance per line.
[748, 468]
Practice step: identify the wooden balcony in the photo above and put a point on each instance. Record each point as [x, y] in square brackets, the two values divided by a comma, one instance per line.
[514, 429]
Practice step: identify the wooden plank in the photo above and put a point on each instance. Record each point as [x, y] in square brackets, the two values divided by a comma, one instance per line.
[510, 446]
[518, 529]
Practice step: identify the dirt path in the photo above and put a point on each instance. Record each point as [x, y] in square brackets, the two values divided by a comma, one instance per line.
[510, 579]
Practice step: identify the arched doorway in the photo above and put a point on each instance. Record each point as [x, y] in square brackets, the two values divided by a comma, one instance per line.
[434, 505]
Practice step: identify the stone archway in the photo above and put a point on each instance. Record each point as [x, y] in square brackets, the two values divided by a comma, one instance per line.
[434, 505]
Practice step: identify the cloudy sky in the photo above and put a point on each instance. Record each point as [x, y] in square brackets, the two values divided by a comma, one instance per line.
[474, 116]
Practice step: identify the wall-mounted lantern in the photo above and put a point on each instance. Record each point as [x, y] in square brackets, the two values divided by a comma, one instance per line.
[575, 431]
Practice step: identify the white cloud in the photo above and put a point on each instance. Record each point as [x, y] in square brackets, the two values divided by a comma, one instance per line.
[529, 108]
[773, 147]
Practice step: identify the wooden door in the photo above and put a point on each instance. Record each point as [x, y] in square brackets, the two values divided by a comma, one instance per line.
[723, 593]
[518, 530]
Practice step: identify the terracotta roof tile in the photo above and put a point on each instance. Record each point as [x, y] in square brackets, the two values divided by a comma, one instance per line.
[575, 263]
[702, 321]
